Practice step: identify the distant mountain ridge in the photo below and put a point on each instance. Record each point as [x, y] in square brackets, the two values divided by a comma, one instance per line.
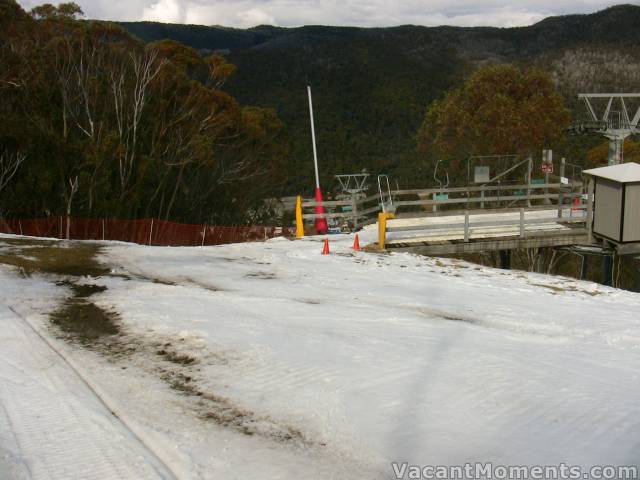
[617, 24]
[373, 85]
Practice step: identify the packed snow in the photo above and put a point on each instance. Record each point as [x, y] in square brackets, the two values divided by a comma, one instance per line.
[289, 364]
[52, 424]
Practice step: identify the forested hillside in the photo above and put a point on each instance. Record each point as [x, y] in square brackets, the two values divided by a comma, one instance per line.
[200, 124]
[97, 123]
[372, 86]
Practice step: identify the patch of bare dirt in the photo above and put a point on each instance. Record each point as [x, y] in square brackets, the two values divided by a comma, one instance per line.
[84, 321]
[57, 258]
[262, 275]
[222, 411]
[78, 319]
[556, 289]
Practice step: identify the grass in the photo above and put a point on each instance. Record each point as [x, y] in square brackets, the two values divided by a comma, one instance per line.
[46, 256]
[77, 316]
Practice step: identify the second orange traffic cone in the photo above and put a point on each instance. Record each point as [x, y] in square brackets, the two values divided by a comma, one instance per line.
[325, 249]
[356, 243]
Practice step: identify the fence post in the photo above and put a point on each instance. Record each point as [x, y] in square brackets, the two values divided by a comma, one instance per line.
[60, 232]
[466, 226]
[522, 231]
[529, 170]
[103, 229]
[20, 225]
[354, 211]
[150, 231]
[590, 211]
[560, 194]
[547, 200]
[204, 232]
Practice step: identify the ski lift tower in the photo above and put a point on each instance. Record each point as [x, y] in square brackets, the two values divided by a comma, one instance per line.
[615, 122]
[353, 184]
[354, 187]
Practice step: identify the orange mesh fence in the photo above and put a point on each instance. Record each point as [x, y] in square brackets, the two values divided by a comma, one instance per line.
[38, 227]
[145, 231]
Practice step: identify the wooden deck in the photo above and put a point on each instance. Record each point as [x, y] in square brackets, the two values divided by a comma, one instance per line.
[476, 232]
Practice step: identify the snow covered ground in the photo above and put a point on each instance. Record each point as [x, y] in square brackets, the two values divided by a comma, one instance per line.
[271, 361]
[52, 425]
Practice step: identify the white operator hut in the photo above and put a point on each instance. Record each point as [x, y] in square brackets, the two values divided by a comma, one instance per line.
[616, 208]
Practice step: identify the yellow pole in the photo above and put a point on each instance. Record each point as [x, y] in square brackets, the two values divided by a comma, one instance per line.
[299, 222]
[382, 228]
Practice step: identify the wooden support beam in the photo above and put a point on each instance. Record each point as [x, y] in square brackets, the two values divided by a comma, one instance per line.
[463, 200]
[466, 226]
[484, 188]
[488, 223]
[577, 237]
[590, 210]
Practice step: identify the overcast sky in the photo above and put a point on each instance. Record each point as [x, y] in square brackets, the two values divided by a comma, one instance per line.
[247, 13]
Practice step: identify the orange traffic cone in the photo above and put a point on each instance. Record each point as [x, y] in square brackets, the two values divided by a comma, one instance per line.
[356, 243]
[325, 249]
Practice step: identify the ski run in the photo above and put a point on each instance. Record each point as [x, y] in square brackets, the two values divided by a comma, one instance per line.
[272, 361]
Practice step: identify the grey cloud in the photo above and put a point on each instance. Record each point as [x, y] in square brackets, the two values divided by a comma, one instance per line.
[246, 13]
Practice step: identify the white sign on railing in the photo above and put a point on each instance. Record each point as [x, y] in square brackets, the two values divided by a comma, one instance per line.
[481, 174]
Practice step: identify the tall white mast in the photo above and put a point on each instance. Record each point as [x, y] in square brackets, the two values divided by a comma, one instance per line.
[313, 137]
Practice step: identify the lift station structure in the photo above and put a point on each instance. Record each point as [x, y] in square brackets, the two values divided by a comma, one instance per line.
[615, 123]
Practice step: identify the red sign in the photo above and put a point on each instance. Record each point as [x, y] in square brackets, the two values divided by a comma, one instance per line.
[547, 167]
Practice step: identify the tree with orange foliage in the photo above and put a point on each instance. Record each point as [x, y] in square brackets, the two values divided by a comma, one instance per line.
[599, 156]
[499, 110]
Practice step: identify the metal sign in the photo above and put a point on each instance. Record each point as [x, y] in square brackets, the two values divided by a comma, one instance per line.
[481, 174]
[547, 168]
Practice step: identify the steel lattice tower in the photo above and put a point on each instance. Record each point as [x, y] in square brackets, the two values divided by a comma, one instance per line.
[615, 123]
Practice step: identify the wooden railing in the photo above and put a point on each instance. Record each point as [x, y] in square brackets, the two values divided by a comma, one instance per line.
[467, 226]
[482, 196]
[521, 222]
[355, 211]
[359, 211]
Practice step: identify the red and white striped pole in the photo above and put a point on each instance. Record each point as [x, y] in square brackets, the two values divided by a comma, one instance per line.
[321, 223]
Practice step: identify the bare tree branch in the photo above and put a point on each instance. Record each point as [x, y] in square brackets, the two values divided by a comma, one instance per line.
[9, 164]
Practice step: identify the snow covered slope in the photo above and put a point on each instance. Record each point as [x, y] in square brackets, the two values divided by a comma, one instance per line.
[271, 361]
[380, 358]
[52, 426]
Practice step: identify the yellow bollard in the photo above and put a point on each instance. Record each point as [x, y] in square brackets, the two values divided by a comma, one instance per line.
[299, 222]
[382, 228]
